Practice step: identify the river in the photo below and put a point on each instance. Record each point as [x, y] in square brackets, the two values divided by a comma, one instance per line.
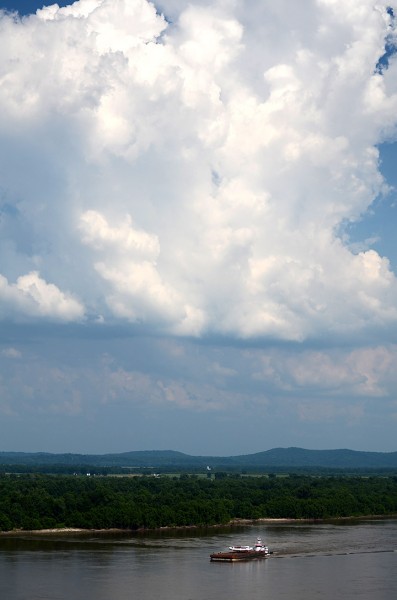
[327, 561]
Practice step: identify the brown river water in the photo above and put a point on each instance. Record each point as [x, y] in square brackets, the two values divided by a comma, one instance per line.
[346, 560]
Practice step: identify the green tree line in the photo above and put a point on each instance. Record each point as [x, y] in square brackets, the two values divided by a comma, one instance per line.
[41, 501]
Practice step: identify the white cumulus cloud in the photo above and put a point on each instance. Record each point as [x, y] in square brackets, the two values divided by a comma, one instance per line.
[195, 175]
[34, 297]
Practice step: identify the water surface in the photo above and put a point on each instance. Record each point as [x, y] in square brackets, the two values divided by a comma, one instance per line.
[310, 561]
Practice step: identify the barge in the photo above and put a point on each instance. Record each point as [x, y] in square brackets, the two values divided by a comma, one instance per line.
[238, 553]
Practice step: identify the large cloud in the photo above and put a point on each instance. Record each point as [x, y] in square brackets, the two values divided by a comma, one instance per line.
[196, 176]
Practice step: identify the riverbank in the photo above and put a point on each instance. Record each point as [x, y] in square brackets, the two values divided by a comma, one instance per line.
[234, 522]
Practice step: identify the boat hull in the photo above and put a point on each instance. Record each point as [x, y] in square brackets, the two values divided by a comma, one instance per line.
[237, 556]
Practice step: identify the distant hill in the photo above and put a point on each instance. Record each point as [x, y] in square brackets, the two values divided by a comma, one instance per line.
[269, 459]
[341, 459]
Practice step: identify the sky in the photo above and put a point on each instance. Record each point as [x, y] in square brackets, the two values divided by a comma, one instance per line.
[197, 225]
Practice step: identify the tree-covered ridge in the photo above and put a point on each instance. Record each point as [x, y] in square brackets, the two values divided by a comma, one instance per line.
[277, 457]
[37, 502]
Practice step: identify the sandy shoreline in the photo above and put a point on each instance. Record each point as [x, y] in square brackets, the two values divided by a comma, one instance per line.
[235, 522]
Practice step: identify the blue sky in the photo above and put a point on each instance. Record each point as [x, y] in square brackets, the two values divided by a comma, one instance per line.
[197, 226]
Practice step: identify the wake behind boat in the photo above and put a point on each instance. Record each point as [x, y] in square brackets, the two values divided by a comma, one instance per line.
[259, 550]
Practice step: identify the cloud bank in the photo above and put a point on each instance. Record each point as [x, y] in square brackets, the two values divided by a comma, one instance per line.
[191, 168]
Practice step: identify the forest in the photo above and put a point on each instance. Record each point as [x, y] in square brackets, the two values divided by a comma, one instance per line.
[37, 501]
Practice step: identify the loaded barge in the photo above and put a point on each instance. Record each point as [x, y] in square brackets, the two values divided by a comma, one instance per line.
[235, 553]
